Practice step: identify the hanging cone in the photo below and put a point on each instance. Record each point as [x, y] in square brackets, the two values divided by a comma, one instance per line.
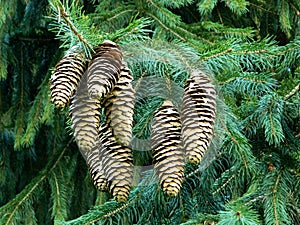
[168, 157]
[66, 76]
[198, 111]
[85, 117]
[104, 69]
[117, 165]
[119, 106]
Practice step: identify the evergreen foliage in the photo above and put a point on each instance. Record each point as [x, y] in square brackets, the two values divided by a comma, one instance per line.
[249, 49]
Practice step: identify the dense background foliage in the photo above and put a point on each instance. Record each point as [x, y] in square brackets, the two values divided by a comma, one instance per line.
[251, 49]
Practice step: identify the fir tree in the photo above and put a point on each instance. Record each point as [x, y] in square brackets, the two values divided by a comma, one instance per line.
[250, 51]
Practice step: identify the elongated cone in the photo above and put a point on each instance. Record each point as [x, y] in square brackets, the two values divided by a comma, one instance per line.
[104, 70]
[198, 110]
[117, 164]
[168, 157]
[85, 117]
[66, 76]
[119, 106]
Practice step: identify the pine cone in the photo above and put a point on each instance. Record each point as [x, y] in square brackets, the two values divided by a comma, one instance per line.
[117, 164]
[168, 157]
[198, 111]
[66, 76]
[85, 117]
[119, 106]
[104, 69]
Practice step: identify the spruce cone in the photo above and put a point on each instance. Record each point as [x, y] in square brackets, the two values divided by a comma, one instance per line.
[119, 106]
[168, 157]
[104, 70]
[66, 76]
[85, 117]
[198, 111]
[117, 164]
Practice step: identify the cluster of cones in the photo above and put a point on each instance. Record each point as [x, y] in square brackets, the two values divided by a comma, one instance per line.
[105, 82]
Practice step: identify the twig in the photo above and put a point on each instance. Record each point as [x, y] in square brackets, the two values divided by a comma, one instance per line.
[292, 92]
[63, 14]
[217, 55]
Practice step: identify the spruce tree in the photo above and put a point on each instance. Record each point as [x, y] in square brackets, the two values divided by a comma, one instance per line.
[248, 49]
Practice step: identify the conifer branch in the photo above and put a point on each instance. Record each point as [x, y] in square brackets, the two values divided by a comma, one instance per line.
[262, 8]
[63, 14]
[224, 185]
[184, 61]
[35, 114]
[115, 15]
[217, 55]
[29, 135]
[110, 214]
[199, 169]
[294, 91]
[21, 104]
[165, 26]
[20, 201]
[56, 183]
[274, 195]
[3, 60]
[255, 84]
[257, 52]
[29, 190]
[173, 18]
[7, 11]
